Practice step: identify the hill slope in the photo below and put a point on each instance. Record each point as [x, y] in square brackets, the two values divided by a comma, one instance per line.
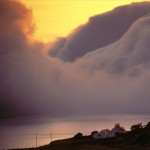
[136, 139]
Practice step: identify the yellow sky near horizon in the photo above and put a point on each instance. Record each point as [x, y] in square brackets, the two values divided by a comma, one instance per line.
[57, 18]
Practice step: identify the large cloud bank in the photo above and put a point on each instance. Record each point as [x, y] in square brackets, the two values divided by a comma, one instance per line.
[130, 54]
[99, 31]
[21, 62]
[113, 79]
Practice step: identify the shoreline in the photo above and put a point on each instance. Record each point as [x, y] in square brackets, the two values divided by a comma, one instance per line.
[136, 139]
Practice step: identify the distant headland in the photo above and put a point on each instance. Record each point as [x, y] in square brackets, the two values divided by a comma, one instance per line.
[138, 138]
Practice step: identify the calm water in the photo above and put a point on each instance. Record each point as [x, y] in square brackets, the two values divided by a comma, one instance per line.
[21, 132]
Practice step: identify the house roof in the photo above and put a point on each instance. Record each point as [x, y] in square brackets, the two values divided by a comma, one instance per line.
[117, 128]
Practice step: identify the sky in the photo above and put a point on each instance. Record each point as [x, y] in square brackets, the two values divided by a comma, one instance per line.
[101, 67]
[57, 18]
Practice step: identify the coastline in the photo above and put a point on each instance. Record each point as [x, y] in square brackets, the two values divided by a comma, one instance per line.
[136, 139]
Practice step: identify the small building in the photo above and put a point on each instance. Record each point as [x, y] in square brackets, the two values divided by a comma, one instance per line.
[102, 134]
[117, 129]
[107, 133]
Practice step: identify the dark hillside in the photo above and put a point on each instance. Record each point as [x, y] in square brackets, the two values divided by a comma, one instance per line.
[136, 139]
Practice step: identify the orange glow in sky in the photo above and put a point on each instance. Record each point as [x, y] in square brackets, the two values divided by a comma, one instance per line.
[57, 18]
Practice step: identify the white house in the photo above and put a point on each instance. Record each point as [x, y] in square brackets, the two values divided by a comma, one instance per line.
[102, 134]
[117, 129]
[107, 133]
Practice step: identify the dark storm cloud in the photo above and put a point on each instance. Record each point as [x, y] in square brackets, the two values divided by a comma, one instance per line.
[18, 63]
[56, 46]
[32, 82]
[12, 40]
[130, 54]
[99, 31]
[127, 63]
[12, 28]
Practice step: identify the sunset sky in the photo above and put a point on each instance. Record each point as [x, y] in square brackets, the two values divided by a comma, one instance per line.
[99, 63]
[73, 59]
[57, 18]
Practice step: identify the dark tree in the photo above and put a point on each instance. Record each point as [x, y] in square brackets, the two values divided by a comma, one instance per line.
[148, 125]
[136, 127]
[93, 132]
[78, 136]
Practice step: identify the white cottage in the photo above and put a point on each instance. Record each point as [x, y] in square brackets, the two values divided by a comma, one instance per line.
[102, 134]
[107, 133]
[117, 129]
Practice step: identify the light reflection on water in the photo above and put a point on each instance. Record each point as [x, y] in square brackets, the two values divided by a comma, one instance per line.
[21, 132]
